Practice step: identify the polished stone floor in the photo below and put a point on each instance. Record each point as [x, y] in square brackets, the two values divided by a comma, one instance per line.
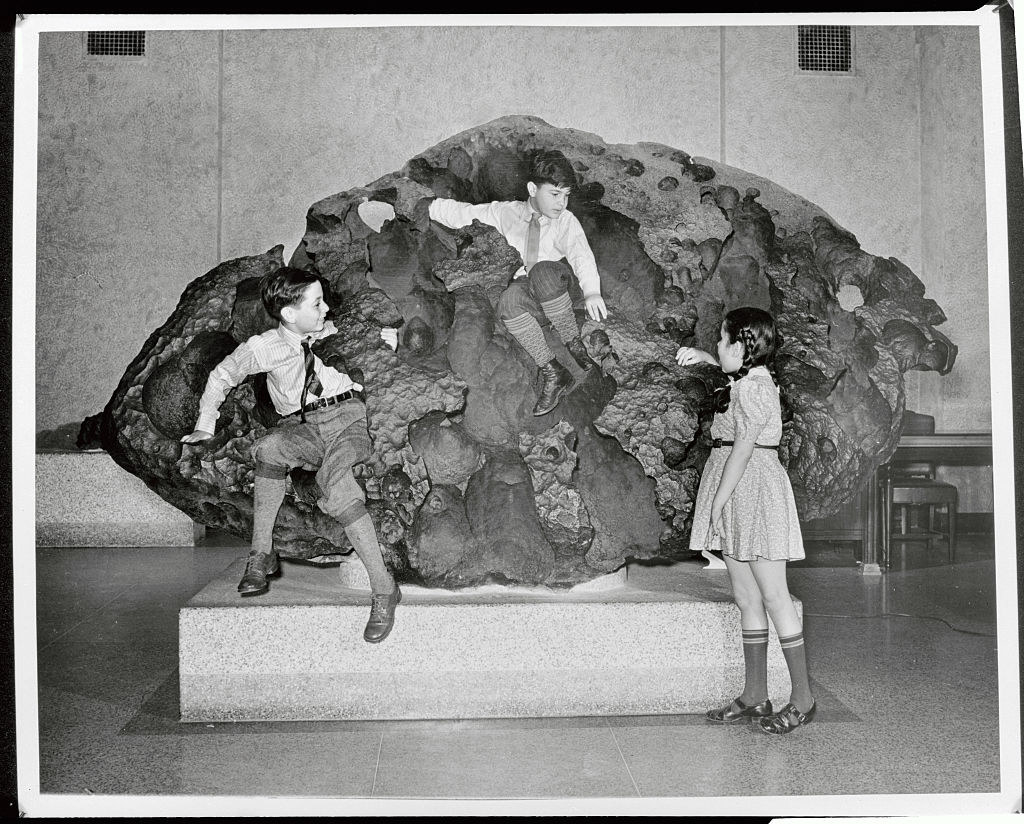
[904, 667]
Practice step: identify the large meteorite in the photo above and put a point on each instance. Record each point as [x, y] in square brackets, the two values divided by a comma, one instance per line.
[465, 485]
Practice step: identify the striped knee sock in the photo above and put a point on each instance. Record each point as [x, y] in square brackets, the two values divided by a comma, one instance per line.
[525, 329]
[796, 660]
[755, 662]
[563, 321]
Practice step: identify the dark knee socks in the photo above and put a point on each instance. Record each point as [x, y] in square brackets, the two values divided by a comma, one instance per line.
[796, 660]
[755, 664]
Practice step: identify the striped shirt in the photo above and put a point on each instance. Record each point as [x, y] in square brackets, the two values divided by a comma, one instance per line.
[559, 238]
[278, 352]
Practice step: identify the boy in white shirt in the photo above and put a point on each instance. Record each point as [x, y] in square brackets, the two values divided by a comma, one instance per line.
[323, 424]
[544, 231]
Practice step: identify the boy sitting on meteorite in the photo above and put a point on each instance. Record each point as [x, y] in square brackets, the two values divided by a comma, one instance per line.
[323, 424]
[544, 232]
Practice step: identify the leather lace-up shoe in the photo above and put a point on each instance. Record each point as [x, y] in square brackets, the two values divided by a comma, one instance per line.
[578, 350]
[556, 380]
[258, 567]
[727, 715]
[382, 616]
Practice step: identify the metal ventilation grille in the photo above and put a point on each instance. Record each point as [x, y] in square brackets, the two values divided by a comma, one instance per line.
[825, 49]
[117, 43]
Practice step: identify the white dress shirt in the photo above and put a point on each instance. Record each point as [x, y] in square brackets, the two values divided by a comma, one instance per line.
[278, 352]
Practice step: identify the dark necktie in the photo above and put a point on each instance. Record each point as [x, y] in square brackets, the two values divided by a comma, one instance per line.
[532, 242]
[311, 383]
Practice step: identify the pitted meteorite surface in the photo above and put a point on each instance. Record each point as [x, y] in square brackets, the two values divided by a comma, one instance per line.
[611, 473]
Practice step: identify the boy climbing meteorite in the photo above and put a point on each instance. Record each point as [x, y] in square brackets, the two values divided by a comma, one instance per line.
[544, 232]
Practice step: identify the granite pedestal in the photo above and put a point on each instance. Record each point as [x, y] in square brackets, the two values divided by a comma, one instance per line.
[658, 640]
[83, 498]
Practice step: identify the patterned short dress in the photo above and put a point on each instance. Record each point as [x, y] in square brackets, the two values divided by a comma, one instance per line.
[759, 520]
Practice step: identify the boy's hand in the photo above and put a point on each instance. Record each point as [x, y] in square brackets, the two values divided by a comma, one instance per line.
[390, 336]
[687, 356]
[197, 436]
[596, 308]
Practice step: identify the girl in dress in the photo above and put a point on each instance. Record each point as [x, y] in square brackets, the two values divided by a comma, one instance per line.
[745, 508]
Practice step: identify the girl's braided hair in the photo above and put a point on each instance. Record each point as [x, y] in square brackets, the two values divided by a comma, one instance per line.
[755, 329]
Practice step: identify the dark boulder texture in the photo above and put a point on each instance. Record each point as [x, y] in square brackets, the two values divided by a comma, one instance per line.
[465, 485]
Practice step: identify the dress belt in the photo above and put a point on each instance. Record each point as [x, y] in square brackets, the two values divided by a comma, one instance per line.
[323, 403]
[718, 442]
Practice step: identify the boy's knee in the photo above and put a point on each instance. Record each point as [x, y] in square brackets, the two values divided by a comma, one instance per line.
[351, 513]
[514, 301]
[548, 278]
[267, 456]
[345, 502]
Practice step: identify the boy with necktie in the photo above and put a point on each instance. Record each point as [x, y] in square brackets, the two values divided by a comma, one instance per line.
[544, 232]
[323, 424]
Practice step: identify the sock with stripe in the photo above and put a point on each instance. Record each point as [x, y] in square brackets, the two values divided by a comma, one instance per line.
[563, 321]
[796, 660]
[525, 329]
[755, 664]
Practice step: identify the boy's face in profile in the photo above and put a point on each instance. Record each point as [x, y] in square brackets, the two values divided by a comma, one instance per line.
[548, 199]
[307, 315]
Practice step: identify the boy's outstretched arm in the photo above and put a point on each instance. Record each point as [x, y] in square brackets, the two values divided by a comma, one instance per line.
[196, 436]
[581, 258]
[226, 375]
[455, 214]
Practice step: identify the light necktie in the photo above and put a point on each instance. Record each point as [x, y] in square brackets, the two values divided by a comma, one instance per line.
[532, 242]
[311, 383]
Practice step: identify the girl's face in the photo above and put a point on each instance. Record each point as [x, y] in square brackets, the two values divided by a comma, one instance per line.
[730, 354]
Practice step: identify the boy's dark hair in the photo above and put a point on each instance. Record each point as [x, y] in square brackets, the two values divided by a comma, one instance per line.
[285, 287]
[552, 167]
[755, 329]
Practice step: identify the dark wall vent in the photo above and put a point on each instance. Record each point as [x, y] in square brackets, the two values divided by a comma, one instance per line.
[117, 43]
[825, 49]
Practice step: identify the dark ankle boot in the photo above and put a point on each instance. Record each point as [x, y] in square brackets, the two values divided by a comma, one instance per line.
[578, 350]
[556, 380]
[258, 567]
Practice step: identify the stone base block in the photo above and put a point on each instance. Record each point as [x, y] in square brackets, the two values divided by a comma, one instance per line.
[664, 644]
[86, 499]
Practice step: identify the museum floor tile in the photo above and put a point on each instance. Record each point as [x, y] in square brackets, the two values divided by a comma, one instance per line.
[904, 666]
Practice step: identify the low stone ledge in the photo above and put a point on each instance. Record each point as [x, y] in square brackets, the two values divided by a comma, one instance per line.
[296, 653]
[83, 498]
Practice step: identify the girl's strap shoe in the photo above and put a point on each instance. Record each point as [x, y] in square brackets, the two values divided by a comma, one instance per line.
[787, 719]
[727, 715]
